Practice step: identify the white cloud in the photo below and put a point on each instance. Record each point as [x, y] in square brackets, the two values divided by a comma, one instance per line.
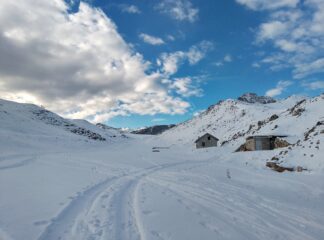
[256, 65]
[317, 85]
[304, 69]
[271, 30]
[170, 62]
[171, 38]
[181, 10]
[219, 64]
[76, 64]
[151, 39]
[279, 89]
[158, 120]
[286, 45]
[296, 33]
[130, 9]
[227, 59]
[184, 87]
[198, 112]
[268, 4]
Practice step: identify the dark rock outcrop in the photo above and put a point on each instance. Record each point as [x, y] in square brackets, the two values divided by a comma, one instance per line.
[275, 167]
[297, 110]
[273, 117]
[154, 130]
[254, 98]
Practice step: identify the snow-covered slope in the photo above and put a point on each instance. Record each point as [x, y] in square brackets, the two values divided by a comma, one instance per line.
[227, 119]
[58, 184]
[153, 130]
[28, 124]
[254, 98]
[233, 120]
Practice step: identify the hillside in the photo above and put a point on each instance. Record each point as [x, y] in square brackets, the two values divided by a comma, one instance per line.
[233, 120]
[153, 130]
[69, 179]
[30, 125]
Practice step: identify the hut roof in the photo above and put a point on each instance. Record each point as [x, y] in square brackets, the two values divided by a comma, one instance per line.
[207, 134]
[267, 136]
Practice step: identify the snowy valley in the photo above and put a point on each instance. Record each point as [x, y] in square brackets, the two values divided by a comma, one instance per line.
[71, 179]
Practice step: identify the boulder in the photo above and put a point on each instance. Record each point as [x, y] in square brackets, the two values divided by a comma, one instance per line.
[277, 168]
[273, 117]
[281, 143]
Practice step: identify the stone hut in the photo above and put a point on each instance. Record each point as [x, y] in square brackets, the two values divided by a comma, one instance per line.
[264, 142]
[207, 140]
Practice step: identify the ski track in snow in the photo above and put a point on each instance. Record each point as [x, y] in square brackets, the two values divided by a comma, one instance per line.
[19, 163]
[108, 210]
[240, 214]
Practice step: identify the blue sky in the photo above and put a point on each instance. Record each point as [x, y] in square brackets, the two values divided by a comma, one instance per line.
[163, 61]
[230, 26]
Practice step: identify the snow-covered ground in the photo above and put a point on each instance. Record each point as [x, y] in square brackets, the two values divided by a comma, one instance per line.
[58, 184]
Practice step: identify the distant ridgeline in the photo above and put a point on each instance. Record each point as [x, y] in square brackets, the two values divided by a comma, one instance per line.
[254, 98]
[153, 130]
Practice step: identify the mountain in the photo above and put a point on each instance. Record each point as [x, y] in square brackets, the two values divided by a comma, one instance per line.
[254, 98]
[153, 130]
[26, 122]
[60, 180]
[232, 121]
[228, 118]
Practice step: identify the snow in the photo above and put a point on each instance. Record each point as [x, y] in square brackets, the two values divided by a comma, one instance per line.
[254, 98]
[55, 184]
[227, 118]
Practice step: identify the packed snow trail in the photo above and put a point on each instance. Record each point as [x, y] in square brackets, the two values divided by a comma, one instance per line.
[106, 210]
[83, 219]
[102, 193]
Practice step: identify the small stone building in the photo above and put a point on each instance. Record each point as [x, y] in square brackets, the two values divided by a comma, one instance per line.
[264, 142]
[207, 140]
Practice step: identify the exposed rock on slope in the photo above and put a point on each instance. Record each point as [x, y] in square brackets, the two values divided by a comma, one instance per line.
[154, 130]
[32, 120]
[254, 98]
[231, 120]
[53, 119]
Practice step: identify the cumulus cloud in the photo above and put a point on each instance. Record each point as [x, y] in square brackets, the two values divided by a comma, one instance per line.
[181, 10]
[170, 62]
[271, 30]
[129, 9]
[279, 89]
[295, 30]
[267, 4]
[184, 87]
[151, 39]
[76, 64]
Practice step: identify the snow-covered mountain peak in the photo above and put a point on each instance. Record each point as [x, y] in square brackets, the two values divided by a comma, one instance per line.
[233, 120]
[254, 98]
